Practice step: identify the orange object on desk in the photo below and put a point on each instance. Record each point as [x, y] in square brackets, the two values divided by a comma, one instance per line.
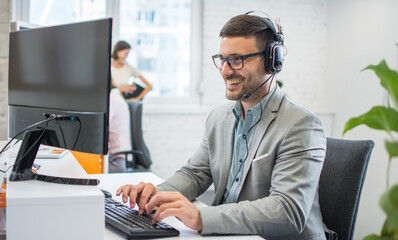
[3, 198]
[91, 163]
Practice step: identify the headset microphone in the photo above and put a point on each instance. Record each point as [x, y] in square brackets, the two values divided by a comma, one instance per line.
[247, 95]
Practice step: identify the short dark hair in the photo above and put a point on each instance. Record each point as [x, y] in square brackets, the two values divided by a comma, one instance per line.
[121, 45]
[249, 25]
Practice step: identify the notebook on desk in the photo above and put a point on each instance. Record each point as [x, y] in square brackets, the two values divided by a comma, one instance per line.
[44, 152]
[51, 152]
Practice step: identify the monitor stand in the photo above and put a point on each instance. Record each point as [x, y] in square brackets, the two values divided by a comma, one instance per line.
[22, 169]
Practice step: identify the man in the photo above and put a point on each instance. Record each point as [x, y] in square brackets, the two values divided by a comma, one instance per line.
[263, 153]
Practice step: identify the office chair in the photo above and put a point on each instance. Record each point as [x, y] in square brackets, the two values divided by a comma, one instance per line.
[137, 139]
[140, 159]
[341, 182]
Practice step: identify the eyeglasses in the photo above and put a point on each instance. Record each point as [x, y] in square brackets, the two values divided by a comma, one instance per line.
[235, 62]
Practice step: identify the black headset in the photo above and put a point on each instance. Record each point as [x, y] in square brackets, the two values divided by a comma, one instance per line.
[274, 52]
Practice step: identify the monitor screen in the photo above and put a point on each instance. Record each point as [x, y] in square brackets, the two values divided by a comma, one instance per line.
[62, 70]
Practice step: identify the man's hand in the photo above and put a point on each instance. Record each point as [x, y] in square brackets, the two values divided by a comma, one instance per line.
[175, 204]
[139, 194]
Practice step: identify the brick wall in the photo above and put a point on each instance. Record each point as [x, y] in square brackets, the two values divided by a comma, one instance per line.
[172, 136]
[4, 29]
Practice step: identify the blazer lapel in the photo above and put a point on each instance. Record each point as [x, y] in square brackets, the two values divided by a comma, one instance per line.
[270, 112]
[228, 140]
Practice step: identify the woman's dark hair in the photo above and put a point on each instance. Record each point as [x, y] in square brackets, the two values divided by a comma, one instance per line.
[248, 25]
[121, 45]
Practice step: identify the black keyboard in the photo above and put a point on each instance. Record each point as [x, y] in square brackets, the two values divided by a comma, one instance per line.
[130, 222]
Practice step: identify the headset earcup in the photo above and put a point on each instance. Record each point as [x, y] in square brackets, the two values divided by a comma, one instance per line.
[274, 54]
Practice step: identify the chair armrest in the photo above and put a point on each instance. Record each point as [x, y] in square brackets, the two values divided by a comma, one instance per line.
[130, 163]
[133, 152]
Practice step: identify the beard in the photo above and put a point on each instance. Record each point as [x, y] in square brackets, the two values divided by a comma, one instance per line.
[238, 93]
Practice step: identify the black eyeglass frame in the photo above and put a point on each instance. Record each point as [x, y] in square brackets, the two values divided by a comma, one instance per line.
[228, 59]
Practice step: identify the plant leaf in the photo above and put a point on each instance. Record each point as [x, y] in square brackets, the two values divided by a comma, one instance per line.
[391, 224]
[396, 234]
[394, 196]
[384, 232]
[379, 118]
[392, 148]
[389, 199]
[388, 79]
[372, 237]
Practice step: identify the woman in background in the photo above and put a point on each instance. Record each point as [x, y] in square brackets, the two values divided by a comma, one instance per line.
[122, 71]
[119, 130]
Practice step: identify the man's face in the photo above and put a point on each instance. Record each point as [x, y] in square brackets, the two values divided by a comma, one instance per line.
[247, 79]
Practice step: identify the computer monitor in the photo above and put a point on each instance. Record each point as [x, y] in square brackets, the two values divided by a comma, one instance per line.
[21, 25]
[59, 77]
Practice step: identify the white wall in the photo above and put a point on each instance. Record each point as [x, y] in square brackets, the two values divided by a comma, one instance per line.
[362, 32]
[4, 29]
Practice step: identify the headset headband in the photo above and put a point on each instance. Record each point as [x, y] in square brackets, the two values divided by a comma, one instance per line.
[267, 21]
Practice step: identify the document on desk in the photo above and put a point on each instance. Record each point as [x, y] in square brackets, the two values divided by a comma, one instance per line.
[51, 152]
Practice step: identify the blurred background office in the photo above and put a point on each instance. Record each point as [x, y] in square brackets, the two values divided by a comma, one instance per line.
[329, 42]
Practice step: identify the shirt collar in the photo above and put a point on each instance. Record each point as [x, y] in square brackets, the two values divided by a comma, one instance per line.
[256, 109]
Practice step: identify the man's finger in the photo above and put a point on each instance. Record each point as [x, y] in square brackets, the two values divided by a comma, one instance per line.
[147, 193]
[169, 208]
[125, 192]
[134, 193]
[119, 190]
[161, 198]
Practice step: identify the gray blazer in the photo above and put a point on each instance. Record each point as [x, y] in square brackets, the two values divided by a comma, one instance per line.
[278, 198]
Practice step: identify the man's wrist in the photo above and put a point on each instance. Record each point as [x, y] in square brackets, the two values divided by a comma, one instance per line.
[200, 224]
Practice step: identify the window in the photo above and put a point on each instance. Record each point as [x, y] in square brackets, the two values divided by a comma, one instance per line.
[52, 12]
[159, 32]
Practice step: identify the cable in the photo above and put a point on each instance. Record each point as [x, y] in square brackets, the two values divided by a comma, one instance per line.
[62, 133]
[25, 129]
[78, 133]
[10, 146]
[49, 118]
[17, 161]
[278, 25]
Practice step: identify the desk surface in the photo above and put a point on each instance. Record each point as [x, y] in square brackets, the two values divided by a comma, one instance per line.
[111, 182]
[32, 193]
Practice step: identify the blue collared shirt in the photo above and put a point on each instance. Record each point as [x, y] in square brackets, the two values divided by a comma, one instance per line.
[243, 135]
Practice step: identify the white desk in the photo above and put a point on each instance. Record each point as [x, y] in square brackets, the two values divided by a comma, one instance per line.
[111, 182]
[41, 210]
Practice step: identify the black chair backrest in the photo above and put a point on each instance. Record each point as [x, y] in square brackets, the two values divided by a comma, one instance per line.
[137, 139]
[341, 182]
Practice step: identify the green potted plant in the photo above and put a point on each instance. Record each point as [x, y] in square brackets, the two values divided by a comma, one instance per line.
[384, 119]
